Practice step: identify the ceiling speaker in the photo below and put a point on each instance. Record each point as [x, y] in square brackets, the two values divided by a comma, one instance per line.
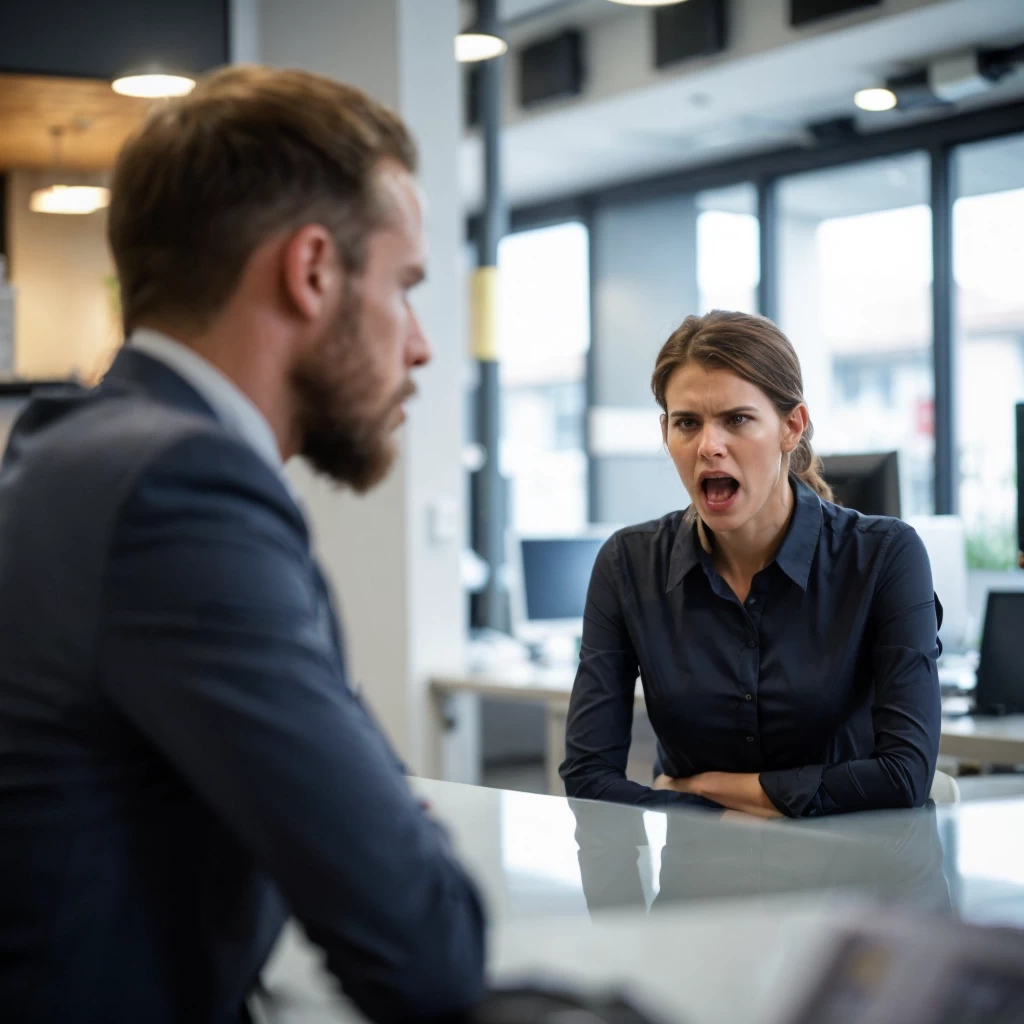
[801, 12]
[694, 29]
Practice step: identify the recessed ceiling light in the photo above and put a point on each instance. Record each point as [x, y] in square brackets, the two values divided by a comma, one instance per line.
[153, 86]
[647, 3]
[69, 199]
[471, 47]
[875, 100]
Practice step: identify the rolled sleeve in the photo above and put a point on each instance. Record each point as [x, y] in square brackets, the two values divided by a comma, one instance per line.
[906, 711]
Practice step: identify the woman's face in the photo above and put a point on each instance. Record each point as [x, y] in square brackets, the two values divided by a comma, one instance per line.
[728, 443]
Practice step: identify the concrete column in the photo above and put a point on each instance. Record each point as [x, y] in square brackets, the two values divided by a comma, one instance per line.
[393, 556]
[800, 318]
[645, 283]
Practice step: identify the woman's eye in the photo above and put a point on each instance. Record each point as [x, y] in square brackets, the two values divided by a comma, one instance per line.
[738, 419]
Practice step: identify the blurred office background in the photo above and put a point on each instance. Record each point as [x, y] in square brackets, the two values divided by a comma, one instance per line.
[656, 163]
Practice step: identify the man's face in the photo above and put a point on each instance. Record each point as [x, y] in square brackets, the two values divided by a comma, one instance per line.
[352, 384]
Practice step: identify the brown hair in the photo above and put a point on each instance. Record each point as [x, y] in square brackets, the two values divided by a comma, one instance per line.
[754, 349]
[250, 152]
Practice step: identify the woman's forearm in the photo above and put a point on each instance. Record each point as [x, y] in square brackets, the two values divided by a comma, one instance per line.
[734, 790]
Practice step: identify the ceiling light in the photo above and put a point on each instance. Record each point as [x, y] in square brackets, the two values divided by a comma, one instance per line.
[153, 86]
[875, 100]
[471, 47]
[69, 199]
[60, 197]
[481, 39]
[647, 3]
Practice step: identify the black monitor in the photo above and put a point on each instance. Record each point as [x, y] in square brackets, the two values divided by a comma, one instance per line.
[1020, 488]
[1000, 689]
[868, 483]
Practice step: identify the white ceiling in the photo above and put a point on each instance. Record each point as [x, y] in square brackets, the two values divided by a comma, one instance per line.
[730, 107]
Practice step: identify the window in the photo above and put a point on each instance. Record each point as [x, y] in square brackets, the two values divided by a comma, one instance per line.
[855, 299]
[728, 249]
[545, 335]
[988, 269]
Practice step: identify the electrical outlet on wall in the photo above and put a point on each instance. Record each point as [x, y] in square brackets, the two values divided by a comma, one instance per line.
[443, 520]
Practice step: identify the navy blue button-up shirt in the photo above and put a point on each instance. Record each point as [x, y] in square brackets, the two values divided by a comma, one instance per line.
[823, 680]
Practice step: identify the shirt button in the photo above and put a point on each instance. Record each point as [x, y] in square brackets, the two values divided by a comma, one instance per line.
[751, 644]
[750, 739]
[751, 600]
[748, 697]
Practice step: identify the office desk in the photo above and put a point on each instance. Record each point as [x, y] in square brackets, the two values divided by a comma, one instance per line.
[520, 681]
[987, 740]
[712, 919]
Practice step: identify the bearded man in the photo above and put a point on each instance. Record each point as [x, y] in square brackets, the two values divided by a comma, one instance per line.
[183, 763]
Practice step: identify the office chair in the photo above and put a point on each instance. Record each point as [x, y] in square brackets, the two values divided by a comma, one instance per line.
[945, 789]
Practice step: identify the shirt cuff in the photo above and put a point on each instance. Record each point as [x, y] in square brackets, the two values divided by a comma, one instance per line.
[794, 791]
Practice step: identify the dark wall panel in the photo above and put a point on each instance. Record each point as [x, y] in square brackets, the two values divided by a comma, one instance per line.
[104, 38]
[803, 11]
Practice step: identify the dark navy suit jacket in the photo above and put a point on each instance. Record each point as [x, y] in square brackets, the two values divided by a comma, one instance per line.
[182, 762]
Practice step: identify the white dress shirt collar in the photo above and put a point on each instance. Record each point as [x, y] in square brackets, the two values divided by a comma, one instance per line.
[235, 410]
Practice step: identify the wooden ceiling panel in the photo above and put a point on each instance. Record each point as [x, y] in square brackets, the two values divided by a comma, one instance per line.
[95, 119]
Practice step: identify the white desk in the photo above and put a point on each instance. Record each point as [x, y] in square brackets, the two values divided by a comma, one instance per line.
[523, 682]
[986, 740]
[712, 920]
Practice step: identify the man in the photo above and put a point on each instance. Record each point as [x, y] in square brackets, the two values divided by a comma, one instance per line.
[182, 761]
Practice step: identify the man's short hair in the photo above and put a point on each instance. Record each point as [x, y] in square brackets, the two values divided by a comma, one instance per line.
[251, 152]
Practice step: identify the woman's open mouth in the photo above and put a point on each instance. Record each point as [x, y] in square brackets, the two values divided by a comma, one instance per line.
[719, 492]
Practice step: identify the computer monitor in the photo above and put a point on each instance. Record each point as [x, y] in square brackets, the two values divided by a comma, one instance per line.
[1000, 688]
[9, 409]
[945, 541]
[548, 579]
[1020, 485]
[868, 483]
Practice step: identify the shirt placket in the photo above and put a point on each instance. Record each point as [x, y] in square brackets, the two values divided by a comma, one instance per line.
[750, 673]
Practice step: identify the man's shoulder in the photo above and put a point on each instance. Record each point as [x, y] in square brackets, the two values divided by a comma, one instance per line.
[102, 445]
[109, 425]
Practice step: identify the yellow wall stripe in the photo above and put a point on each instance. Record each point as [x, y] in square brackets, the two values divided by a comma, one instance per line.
[483, 314]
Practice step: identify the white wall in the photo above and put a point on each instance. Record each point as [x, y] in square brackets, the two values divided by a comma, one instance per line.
[65, 321]
[633, 120]
[398, 586]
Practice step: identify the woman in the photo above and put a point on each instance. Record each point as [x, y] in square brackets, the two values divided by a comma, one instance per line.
[786, 646]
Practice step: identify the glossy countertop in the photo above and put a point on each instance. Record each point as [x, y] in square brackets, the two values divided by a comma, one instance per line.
[716, 915]
[540, 856]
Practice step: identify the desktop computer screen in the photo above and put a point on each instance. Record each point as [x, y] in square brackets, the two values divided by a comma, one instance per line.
[1000, 688]
[10, 406]
[945, 541]
[550, 577]
[1020, 489]
[868, 483]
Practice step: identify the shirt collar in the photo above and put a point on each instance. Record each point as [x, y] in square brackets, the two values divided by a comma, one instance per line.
[235, 410]
[794, 557]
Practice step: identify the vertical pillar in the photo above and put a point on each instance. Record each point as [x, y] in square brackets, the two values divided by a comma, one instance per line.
[489, 503]
[943, 195]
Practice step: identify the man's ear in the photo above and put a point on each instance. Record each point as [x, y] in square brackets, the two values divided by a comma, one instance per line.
[664, 428]
[311, 271]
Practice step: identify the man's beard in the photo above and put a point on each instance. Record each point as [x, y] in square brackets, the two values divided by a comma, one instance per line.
[338, 437]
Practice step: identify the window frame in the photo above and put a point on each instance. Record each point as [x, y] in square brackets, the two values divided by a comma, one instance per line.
[938, 137]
